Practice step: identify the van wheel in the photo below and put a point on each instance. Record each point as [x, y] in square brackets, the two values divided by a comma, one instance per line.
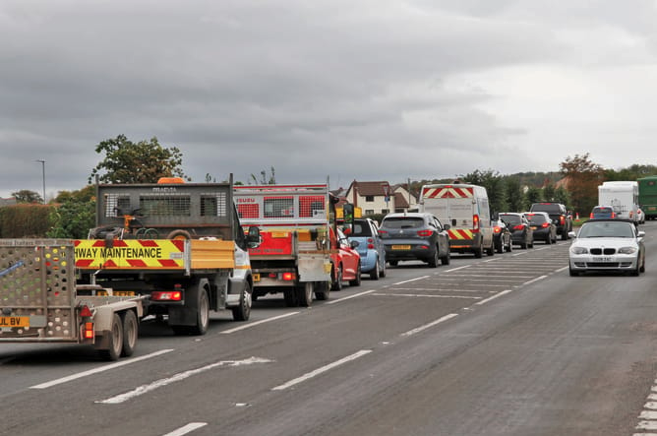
[242, 312]
[305, 294]
[479, 252]
[130, 333]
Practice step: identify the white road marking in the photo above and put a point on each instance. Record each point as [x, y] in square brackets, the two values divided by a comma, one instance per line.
[562, 269]
[647, 425]
[648, 414]
[187, 429]
[411, 280]
[253, 324]
[321, 370]
[493, 297]
[456, 269]
[534, 280]
[100, 369]
[427, 296]
[431, 324]
[651, 405]
[144, 389]
[350, 297]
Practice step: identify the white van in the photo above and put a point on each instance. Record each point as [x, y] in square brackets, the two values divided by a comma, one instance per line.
[623, 196]
[465, 208]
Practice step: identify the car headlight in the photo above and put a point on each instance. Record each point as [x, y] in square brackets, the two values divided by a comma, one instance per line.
[627, 250]
[579, 250]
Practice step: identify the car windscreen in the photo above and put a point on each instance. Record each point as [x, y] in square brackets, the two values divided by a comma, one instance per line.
[606, 229]
[403, 223]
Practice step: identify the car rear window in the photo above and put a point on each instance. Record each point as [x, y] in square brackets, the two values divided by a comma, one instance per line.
[403, 223]
[549, 208]
[361, 229]
[536, 219]
[511, 219]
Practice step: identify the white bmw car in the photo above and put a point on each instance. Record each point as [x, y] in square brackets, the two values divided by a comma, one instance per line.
[608, 245]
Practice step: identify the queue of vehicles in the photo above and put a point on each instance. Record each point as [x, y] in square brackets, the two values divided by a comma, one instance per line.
[178, 251]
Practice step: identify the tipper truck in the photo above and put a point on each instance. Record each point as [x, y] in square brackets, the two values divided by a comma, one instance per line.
[40, 301]
[181, 244]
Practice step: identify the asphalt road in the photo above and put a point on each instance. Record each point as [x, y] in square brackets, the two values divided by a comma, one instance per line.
[504, 345]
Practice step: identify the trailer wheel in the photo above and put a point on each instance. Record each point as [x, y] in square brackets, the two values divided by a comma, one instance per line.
[322, 290]
[115, 340]
[130, 333]
[305, 294]
[243, 311]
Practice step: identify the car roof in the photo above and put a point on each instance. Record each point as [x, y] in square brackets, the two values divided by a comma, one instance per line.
[408, 214]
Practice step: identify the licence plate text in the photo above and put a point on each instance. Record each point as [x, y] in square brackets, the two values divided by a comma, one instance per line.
[401, 247]
[14, 321]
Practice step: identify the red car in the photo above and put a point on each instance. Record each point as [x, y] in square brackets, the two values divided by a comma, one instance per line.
[345, 261]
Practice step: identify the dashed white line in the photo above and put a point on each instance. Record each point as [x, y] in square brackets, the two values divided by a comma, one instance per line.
[143, 389]
[187, 429]
[431, 324]
[479, 303]
[253, 324]
[97, 370]
[411, 280]
[321, 370]
[534, 280]
[379, 294]
[456, 269]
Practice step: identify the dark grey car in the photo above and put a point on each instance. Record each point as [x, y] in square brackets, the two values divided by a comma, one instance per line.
[415, 236]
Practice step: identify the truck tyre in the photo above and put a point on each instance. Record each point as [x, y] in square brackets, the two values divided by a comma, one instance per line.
[243, 311]
[305, 294]
[374, 274]
[130, 333]
[290, 295]
[202, 313]
[357, 280]
[322, 290]
[115, 340]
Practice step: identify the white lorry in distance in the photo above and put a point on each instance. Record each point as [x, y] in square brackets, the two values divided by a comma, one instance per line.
[623, 196]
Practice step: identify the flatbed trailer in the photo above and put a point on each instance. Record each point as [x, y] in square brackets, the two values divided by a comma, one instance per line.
[40, 301]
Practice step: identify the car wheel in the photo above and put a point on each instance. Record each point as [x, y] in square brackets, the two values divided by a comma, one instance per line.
[446, 259]
[374, 274]
[393, 263]
[548, 240]
[643, 266]
[479, 252]
[337, 284]
[433, 260]
[357, 280]
[564, 235]
[499, 247]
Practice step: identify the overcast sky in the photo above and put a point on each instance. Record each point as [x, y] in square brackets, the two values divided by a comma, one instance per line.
[344, 89]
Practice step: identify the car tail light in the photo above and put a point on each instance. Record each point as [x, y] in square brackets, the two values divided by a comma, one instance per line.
[545, 225]
[497, 229]
[562, 220]
[175, 295]
[424, 233]
[613, 214]
[370, 246]
[475, 223]
[518, 227]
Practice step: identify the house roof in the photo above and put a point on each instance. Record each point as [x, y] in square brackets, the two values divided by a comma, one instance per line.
[400, 201]
[371, 188]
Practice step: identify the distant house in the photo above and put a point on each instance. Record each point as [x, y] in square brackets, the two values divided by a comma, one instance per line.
[404, 200]
[372, 197]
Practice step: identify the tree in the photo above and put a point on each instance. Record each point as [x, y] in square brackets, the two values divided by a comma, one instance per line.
[143, 162]
[492, 181]
[515, 196]
[583, 178]
[27, 196]
[263, 178]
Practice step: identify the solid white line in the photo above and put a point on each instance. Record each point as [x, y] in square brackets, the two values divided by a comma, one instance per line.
[350, 297]
[97, 370]
[411, 280]
[321, 370]
[431, 324]
[143, 389]
[534, 280]
[479, 303]
[187, 429]
[427, 296]
[253, 324]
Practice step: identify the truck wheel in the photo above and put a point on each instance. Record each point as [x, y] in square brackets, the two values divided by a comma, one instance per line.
[322, 290]
[115, 340]
[305, 294]
[374, 274]
[243, 311]
[130, 333]
[202, 314]
[290, 295]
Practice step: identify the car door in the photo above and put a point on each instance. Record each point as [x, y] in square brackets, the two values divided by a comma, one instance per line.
[443, 237]
[348, 255]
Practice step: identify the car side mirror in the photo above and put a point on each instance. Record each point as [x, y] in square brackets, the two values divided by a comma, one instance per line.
[354, 244]
[446, 227]
[253, 237]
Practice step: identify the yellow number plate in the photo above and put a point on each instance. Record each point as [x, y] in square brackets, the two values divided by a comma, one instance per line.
[401, 247]
[256, 277]
[124, 293]
[14, 321]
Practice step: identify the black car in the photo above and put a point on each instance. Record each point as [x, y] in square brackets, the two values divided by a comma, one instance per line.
[501, 236]
[543, 227]
[521, 231]
[559, 215]
[415, 236]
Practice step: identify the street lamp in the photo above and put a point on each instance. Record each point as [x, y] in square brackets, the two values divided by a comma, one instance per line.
[43, 173]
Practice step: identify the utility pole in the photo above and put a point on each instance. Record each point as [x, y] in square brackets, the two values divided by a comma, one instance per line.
[43, 177]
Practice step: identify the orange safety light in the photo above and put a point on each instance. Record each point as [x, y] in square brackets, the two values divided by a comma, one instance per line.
[288, 276]
[169, 180]
[88, 331]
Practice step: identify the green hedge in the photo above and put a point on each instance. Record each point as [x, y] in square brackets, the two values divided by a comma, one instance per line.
[25, 221]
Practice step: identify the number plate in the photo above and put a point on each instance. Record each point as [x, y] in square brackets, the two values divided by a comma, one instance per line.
[604, 259]
[124, 293]
[256, 277]
[14, 321]
[534, 227]
[401, 247]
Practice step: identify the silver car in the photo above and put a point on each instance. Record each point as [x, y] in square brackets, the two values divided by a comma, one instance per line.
[607, 245]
